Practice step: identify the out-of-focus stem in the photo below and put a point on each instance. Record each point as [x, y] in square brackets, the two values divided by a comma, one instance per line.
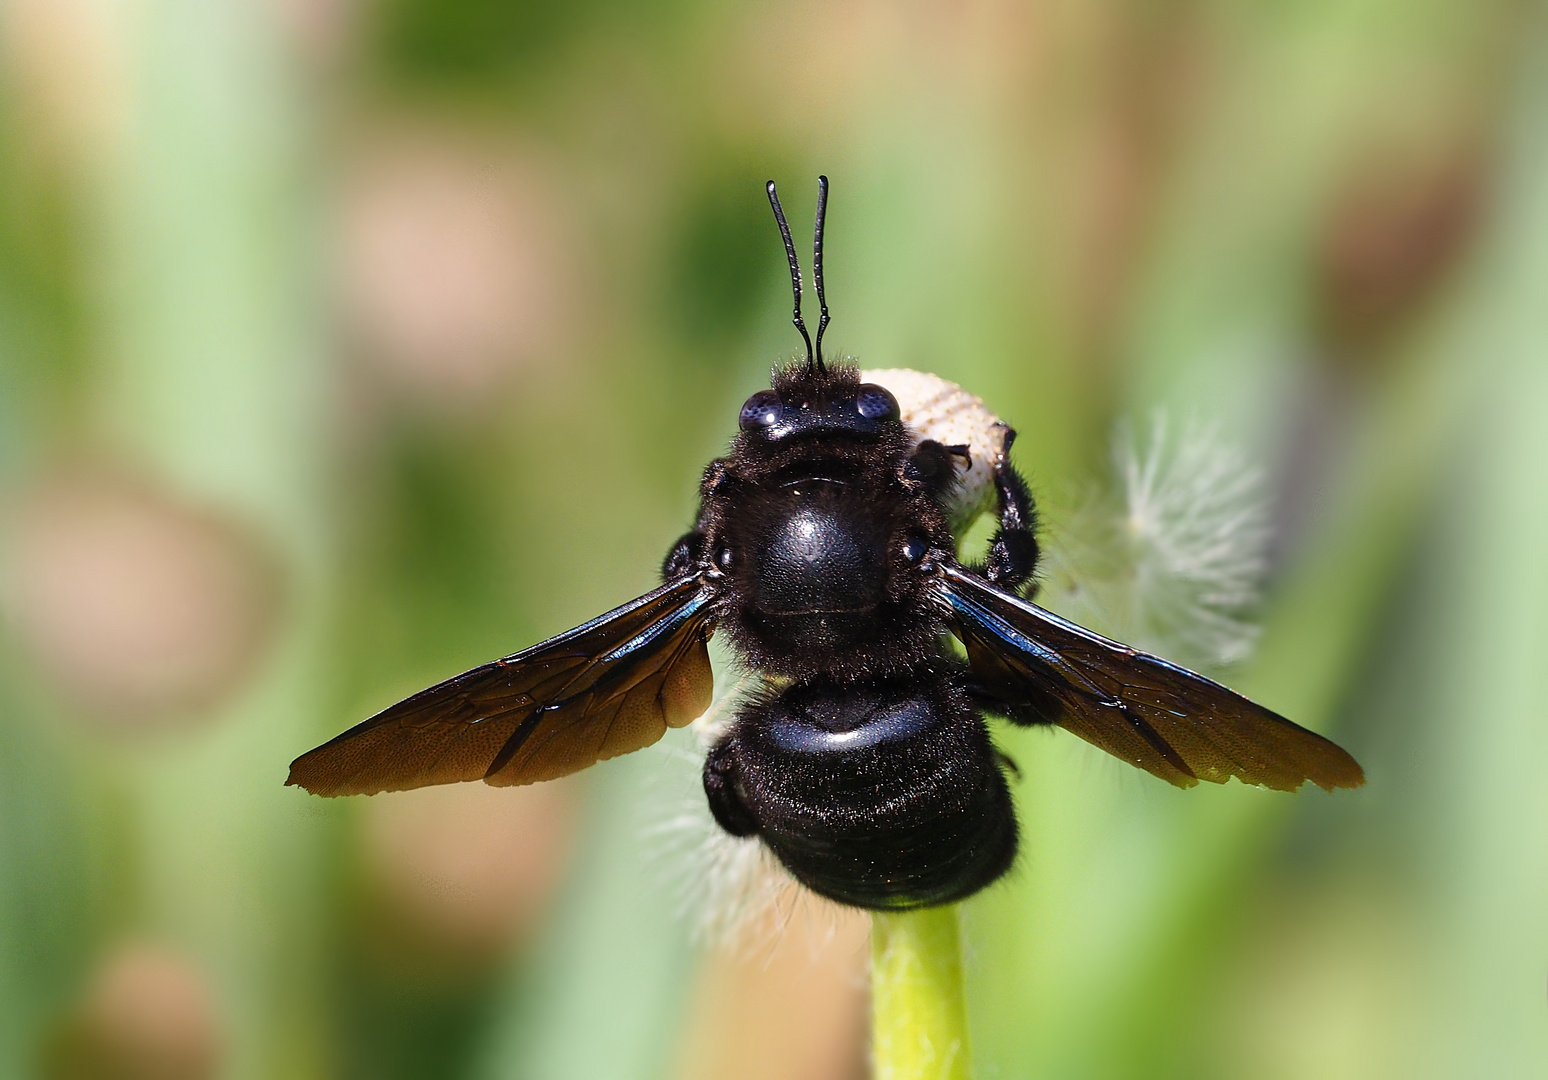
[918, 1018]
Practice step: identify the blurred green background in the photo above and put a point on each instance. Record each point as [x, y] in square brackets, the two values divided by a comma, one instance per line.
[348, 343]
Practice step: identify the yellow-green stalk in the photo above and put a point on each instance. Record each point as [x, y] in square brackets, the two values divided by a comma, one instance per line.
[918, 1016]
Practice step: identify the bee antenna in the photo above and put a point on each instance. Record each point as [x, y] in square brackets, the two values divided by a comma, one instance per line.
[795, 274]
[822, 300]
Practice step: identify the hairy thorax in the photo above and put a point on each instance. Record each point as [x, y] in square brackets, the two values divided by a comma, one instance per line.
[821, 552]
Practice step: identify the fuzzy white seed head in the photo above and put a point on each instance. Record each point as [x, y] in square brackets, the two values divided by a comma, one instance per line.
[1172, 559]
[936, 409]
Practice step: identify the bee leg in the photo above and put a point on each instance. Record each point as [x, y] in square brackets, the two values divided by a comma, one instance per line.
[1013, 552]
[1031, 710]
[688, 552]
[684, 556]
[935, 466]
[720, 788]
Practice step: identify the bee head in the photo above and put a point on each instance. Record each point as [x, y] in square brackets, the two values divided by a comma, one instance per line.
[810, 398]
[807, 400]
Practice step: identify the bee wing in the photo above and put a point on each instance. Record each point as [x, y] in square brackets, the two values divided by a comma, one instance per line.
[1163, 718]
[606, 688]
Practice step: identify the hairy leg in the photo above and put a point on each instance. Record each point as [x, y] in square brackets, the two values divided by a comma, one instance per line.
[1013, 553]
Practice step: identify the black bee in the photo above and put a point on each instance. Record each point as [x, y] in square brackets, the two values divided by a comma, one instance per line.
[824, 551]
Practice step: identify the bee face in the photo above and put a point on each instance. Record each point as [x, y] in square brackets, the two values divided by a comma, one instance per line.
[817, 407]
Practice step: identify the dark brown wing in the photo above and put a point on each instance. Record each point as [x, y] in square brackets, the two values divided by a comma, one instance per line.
[606, 688]
[1163, 718]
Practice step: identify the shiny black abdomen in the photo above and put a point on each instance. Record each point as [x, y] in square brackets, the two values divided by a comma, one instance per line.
[886, 795]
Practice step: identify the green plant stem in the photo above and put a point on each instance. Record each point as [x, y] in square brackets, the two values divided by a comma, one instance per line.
[918, 1017]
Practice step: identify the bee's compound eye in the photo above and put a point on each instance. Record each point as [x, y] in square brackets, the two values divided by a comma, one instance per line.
[763, 410]
[914, 549]
[876, 402]
[724, 559]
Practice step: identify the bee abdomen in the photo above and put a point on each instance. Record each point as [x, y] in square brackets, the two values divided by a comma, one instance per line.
[883, 796]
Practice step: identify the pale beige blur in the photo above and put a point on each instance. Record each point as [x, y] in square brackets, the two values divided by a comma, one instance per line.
[787, 1006]
[469, 867]
[137, 607]
[147, 1014]
[453, 261]
[320, 29]
[68, 67]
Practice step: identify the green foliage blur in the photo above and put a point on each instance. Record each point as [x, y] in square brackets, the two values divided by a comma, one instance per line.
[346, 344]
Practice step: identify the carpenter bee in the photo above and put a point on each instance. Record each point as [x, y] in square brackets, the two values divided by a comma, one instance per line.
[825, 550]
